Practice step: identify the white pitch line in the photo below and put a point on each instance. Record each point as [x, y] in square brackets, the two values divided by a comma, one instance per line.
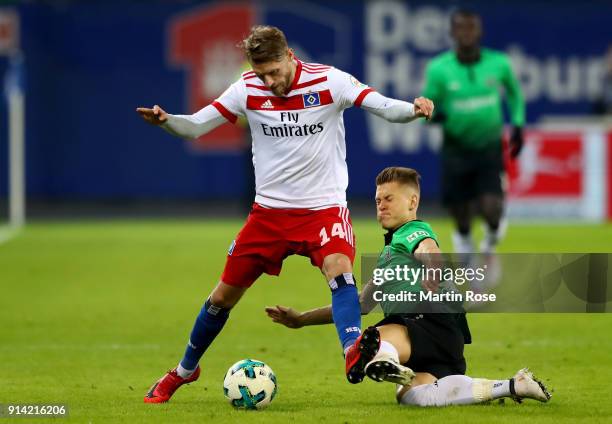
[7, 233]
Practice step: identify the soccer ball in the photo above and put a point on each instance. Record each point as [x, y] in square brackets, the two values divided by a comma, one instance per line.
[249, 384]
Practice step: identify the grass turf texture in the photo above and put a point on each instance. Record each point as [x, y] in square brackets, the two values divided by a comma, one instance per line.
[93, 313]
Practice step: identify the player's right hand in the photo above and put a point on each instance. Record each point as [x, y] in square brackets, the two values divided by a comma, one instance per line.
[155, 116]
[289, 317]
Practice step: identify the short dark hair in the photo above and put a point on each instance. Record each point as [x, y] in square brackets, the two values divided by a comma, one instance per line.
[463, 12]
[264, 44]
[406, 176]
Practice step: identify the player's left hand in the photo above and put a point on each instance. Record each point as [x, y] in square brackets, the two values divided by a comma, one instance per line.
[516, 142]
[154, 116]
[423, 108]
[289, 317]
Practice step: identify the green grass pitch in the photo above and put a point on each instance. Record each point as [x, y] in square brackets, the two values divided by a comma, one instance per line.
[92, 313]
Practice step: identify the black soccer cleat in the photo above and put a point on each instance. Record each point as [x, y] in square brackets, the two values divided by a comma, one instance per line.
[362, 352]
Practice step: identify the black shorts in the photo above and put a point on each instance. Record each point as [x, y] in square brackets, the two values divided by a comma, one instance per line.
[436, 347]
[468, 174]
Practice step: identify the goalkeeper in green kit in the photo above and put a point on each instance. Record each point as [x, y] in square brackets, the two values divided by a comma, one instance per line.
[465, 86]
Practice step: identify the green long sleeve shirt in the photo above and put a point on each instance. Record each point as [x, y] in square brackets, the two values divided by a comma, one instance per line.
[470, 98]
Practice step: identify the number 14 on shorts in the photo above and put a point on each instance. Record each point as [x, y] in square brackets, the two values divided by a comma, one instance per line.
[337, 230]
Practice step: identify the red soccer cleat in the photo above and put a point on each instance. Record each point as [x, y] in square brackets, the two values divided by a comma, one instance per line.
[165, 387]
[362, 352]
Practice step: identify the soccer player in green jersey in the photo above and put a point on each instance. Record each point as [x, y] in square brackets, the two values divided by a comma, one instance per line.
[465, 86]
[421, 352]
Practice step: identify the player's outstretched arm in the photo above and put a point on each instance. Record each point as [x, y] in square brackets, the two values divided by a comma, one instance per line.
[398, 111]
[292, 318]
[184, 126]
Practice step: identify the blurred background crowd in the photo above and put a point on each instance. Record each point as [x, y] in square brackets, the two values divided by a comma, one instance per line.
[83, 67]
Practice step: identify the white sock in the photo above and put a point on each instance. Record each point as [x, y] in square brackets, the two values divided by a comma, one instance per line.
[182, 372]
[456, 390]
[462, 243]
[500, 389]
[388, 348]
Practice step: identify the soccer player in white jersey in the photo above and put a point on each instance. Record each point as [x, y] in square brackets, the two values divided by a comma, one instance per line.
[295, 113]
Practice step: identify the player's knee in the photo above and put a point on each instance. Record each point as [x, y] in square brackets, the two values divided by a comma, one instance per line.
[222, 301]
[492, 205]
[226, 296]
[415, 396]
[336, 264]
